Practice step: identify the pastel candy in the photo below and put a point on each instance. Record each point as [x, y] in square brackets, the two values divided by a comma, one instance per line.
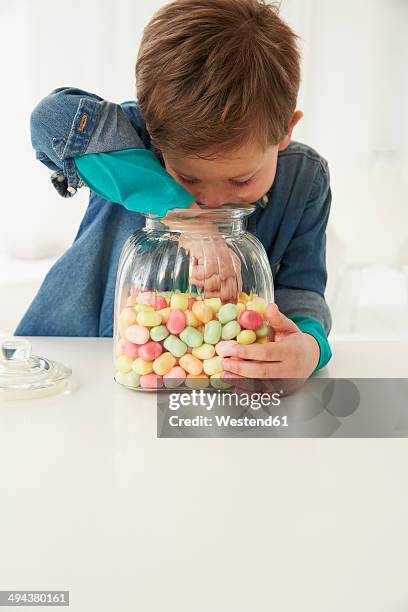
[179, 301]
[131, 301]
[137, 334]
[251, 319]
[119, 347]
[191, 319]
[212, 332]
[191, 301]
[202, 312]
[263, 331]
[230, 330]
[175, 345]
[197, 381]
[129, 379]
[176, 321]
[244, 297]
[205, 351]
[174, 377]
[124, 364]
[151, 381]
[258, 306]
[145, 297]
[192, 337]
[240, 308]
[149, 319]
[149, 298]
[164, 363]
[263, 340]
[159, 332]
[140, 366]
[130, 349]
[213, 366]
[150, 350]
[128, 316]
[213, 303]
[217, 381]
[143, 308]
[165, 313]
[246, 336]
[227, 313]
[191, 364]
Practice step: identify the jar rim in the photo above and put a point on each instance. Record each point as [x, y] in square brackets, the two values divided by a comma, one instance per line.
[229, 210]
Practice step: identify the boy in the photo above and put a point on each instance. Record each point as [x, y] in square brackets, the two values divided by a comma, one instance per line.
[217, 83]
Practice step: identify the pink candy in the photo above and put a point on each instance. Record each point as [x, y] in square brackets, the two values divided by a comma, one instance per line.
[150, 350]
[150, 299]
[174, 377]
[251, 319]
[151, 381]
[176, 322]
[137, 334]
[130, 349]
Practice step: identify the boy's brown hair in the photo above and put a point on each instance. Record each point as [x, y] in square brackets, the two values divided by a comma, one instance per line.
[212, 74]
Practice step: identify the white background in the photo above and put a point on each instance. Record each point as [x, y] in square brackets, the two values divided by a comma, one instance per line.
[354, 95]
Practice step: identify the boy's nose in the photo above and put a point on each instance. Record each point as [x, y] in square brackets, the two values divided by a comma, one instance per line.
[212, 200]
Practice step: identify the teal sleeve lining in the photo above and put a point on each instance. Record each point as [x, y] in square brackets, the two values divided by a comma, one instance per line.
[311, 326]
[134, 178]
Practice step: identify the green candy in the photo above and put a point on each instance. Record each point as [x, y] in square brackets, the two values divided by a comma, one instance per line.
[212, 332]
[230, 330]
[227, 313]
[262, 331]
[175, 346]
[159, 332]
[129, 379]
[191, 336]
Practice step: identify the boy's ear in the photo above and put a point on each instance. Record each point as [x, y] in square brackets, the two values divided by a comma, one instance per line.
[295, 119]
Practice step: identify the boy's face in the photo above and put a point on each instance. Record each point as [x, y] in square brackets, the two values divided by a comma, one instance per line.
[244, 176]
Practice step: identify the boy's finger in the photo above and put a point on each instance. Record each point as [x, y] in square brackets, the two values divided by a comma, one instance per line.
[278, 321]
[253, 369]
[270, 351]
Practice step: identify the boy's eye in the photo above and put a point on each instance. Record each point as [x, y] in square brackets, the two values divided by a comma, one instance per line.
[189, 181]
[241, 183]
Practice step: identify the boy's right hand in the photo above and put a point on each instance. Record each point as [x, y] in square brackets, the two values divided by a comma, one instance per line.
[214, 267]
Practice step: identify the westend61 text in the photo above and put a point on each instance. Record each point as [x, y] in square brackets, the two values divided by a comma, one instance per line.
[206, 400]
[228, 421]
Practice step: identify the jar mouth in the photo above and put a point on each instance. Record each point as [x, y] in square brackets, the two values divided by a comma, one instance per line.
[228, 211]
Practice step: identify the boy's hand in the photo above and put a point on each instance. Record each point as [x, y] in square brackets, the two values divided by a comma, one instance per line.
[293, 354]
[214, 267]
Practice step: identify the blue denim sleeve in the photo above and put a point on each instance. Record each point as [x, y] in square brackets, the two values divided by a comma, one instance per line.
[302, 276]
[70, 122]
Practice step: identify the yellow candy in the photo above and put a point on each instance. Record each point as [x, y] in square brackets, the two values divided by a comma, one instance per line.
[191, 319]
[240, 308]
[262, 340]
[179, 301]
[205, 351]
[149, 319]
[127, 318]
[164, 363]
[217, 381]
[213, 366]
[124, 364]
[143, 308]
[258, 298]
[194, 381]
[191, 364]
[261, 308]
[246, 336]
[213, 303]
[140, 366]
[203, 312]
[164, 313]
[244, 297]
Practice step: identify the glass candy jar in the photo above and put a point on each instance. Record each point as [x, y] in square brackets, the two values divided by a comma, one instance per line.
[185, 283]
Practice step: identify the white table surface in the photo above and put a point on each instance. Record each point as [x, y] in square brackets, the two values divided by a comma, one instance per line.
[92, 502]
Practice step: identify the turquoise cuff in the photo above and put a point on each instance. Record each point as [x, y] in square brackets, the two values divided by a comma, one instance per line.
[311, 326]
[134, 178]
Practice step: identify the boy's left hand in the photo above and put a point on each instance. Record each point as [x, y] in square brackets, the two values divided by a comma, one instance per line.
[293, 354]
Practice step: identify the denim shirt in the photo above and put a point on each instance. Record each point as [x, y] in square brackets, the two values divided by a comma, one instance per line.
[76, 297]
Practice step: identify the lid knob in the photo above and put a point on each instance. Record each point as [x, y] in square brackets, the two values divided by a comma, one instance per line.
[15, 349]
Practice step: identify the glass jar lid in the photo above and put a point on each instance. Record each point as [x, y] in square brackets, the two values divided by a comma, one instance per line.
[24, 375]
